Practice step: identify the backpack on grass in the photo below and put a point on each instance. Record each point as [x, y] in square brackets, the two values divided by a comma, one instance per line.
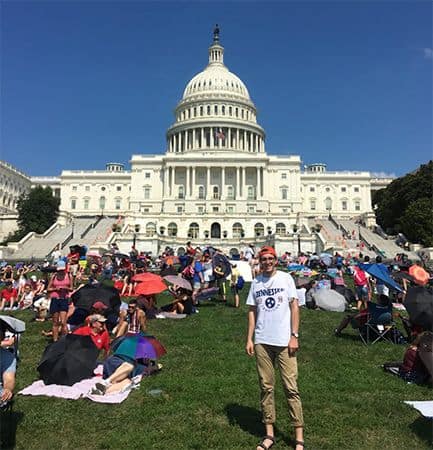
[240, 283]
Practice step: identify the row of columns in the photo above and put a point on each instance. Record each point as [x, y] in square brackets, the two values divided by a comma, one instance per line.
[215, 138]
[239, 187]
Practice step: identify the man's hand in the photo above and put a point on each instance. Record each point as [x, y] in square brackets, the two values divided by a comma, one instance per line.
[293, 346]
[6, 395]
[249, 348]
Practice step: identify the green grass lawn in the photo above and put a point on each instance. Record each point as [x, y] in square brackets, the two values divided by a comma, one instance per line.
[210, 394]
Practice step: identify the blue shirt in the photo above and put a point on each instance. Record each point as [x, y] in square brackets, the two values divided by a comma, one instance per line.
[197, 269]
[8, 363]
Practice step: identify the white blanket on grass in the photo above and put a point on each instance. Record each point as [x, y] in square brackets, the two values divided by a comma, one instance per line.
[425, 407]
[78, 390]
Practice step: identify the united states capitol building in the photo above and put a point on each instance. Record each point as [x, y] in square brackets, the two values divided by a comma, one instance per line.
[215, 182]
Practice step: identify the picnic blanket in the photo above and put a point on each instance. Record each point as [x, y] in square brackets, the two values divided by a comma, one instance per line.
[424, 407]
[78, 390]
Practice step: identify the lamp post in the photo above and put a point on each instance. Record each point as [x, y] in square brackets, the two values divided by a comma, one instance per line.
[73, 229]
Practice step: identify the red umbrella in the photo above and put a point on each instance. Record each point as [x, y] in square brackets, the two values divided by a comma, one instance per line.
[146, 276]
[150, 287]
[170, 260]
[420, 275]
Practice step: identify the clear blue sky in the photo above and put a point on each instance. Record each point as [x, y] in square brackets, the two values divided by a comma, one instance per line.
[345, 83]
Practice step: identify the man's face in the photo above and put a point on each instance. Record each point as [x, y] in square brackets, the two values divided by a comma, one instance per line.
[268, 263]
[132, 307]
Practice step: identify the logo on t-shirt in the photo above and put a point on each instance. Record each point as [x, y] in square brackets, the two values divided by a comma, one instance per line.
[270, 302]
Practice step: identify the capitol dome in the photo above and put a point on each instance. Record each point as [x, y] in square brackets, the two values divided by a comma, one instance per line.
[216, 111]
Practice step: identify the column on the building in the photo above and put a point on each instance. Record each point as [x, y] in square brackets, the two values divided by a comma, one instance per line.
[202, 137]
[229, 137]
[259, 184]
[193, 183]
[165, 189]
[185, 140]
[208, 183]
[223, 182]
[237, 187]
[237, 147]
[211, 135]
[243, 182]
[187, 187]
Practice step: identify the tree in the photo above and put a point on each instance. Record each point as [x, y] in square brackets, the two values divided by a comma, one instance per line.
[406, 205]
[37, 210]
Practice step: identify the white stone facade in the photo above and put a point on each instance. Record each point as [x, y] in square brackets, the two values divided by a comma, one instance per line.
[13, 184]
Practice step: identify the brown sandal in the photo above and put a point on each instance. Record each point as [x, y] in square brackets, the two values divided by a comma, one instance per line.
[299, 443]
[262, 442]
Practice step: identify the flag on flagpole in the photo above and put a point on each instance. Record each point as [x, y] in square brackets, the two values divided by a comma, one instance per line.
[219, 134]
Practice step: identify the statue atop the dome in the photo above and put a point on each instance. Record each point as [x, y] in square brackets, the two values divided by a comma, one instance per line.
[216, 33]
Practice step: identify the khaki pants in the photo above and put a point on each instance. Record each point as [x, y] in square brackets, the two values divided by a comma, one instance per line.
[266, 356]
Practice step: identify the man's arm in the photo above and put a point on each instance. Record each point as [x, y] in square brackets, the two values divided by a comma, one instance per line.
[294, 326]
[249, 348]
[142, 319]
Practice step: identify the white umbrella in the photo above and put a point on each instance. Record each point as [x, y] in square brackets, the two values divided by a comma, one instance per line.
[12, 324]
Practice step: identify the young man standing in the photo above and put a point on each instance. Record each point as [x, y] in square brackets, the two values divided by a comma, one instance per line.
[273, 320]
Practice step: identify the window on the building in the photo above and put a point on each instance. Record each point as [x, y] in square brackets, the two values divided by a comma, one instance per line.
[283, 176]
[216, 194]
[343, 189]
[201, 193]
[147, 175]
[119, 188]
[200, 209]
[312, 188]
[86, 203]
[146, 192]
[356, 189]
[117, 203]
[357, 205]
[172, 229]
[150, 229]
[102, 203]
[251, 193]
[280, 229]
[181, 192]
[230, 209]
[284, 193]
[313, 205]
[237, 230]
[179, 209]
[215, 109]
[74, 188]
[103, 188]
[73, 203]
[344, 205]
[193, 230]
[259, 229]
[230, 193]
[215, 209]
[328, 204]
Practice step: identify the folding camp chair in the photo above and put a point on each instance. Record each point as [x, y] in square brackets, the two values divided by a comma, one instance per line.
[379, 325]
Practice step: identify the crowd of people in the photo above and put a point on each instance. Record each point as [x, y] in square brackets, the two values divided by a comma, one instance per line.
[202, 273]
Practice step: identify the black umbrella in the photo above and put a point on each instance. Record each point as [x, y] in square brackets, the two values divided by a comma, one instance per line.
[218, 259]
[69, 360]
[419, 305]
[85, 297]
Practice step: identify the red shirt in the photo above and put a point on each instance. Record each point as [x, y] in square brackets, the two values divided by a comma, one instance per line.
[8, 294]
[102, 340]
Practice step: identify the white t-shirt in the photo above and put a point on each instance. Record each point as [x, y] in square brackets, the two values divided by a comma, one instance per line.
[272, 297]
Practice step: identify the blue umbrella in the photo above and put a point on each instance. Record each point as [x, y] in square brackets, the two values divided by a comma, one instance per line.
[380, 272]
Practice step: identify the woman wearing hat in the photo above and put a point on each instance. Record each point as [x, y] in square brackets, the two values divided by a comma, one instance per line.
[59, 289]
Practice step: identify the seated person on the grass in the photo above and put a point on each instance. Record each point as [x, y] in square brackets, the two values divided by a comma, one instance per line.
[133, 320]
[8, 367]
[380, 313]
[97, 331]
[182, 303]
[148, 304]
[8, 296]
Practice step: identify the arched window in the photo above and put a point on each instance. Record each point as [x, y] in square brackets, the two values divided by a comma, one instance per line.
[216, 194]
[102, 202]
[230, 193]
[150, 229]
[194, 230]
[223, 110]
[215, 109]
[181, 192]
[237, 230]
[280, 229]
[208, 110]
[172, 229]
[328, 204]
[284, 193]
[201, 192]
[259, 229]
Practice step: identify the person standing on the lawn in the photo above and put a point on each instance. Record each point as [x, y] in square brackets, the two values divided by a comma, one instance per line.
[273, 320]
